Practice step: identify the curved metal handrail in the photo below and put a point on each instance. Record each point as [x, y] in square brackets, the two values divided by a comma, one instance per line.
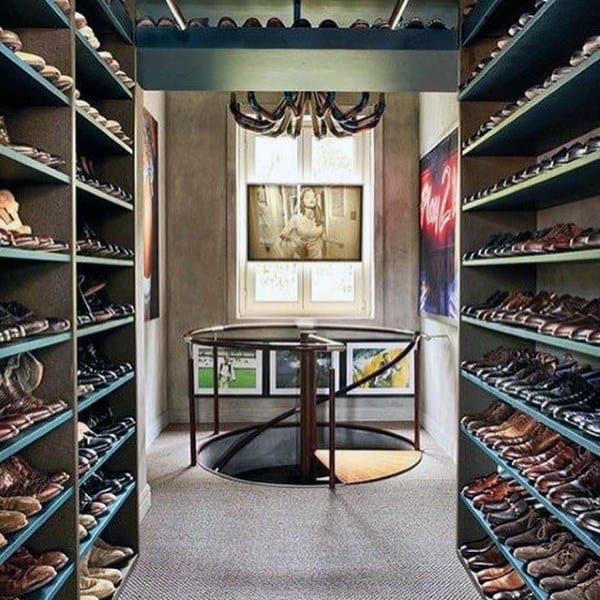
[323, 344]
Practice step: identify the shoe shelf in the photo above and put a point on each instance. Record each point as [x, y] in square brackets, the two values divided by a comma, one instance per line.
[100, 13]
[571, 433]
[32, 343]
[93, 137]
[471, 575]
[571, 103]
[86, 545]
[107, 456]
[527, 334]
[9, 253]
[27, 87]
[17, 539]
[490, 16]
[109, 262]
[518, 565]
[93, 73]
[546, 42]
[33, 13]
[536, 259]
[89, 193]
[90, 399]
[18, 168]
[50, 591]
[573, 181]
[101, 327]
[587, 537]
[33, 433]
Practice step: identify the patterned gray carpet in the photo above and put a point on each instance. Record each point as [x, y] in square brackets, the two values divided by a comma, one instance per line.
[206, 538]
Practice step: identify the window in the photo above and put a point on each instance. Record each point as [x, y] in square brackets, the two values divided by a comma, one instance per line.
[304, 289]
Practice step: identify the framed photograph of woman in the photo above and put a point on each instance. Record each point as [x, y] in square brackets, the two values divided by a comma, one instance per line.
[239, 371]
[365, 358]
[284, 372]
[305, 223]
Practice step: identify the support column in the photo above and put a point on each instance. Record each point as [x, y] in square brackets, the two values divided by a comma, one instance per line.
[308, 410]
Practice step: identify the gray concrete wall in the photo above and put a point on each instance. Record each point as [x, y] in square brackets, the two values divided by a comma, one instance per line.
[199, 244]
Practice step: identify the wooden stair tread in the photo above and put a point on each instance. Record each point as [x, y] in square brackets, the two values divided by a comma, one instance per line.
[356, 466]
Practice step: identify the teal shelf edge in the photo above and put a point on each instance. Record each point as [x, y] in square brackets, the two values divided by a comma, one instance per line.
[517, 564]
[99, 10]
[18, 168]
[17, 539]
[575, 435]
[33, 433]
[85, 191]
[103, 521]
[527, 334]
[32, 343]
[105, 139]
[536, 259]
[104, 459]
[109, 262]
[576, 180]
[471, 575]
[587, 537]
[94, 397]
[34, 255]
[126, 573]
[92, 329]
[481, 15]
[50, 591]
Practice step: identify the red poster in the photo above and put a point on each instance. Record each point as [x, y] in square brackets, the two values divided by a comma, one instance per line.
[438, 204]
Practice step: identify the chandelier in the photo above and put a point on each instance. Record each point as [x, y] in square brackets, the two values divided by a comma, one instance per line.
[326, 116]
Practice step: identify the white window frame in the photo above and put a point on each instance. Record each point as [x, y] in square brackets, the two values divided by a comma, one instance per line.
[364, 305]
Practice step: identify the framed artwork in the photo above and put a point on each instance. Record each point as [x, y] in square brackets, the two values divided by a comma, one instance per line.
[240, 371]
[365, 358]
[284, 372]
[305, 223]
[150, 282]
[437, 212]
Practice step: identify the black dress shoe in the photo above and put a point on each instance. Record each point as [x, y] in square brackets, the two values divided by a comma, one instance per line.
[475, 548]
[510, 514]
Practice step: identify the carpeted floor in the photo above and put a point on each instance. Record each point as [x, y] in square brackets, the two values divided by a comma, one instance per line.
[206, 538]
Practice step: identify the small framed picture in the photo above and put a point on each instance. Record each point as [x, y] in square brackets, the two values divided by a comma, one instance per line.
[285, 372]
[365, 358]
[240, 371]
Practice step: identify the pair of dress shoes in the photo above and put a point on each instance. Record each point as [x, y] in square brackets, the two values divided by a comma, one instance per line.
[17, 322]
[86, 173]
[93, 304]
[94, 371]
[89, 243]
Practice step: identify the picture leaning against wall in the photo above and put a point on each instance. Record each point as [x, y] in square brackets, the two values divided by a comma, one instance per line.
[305, 223]
[438, 202]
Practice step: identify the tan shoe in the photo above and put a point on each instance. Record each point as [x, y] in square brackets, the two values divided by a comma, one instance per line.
[12, 520]
[88, 521]
[3, 541]
[83, 532]
[100, 588]
[113, 575]
[28, 505]
[88, 597]
[104, 555]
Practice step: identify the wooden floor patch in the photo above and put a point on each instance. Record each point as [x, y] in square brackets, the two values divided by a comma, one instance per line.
[357, 466]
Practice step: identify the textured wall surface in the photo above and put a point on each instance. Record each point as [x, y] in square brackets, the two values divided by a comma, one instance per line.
[199, 261]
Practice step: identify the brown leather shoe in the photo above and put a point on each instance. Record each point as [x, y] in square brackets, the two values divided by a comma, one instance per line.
[493, 573]
[487, 560]
[511, 581]
[15, 482]
[558, 583]
[25, 504]
[15, 582]
[495, 414]
[565, 561]
[545, 439]
[527, 522]
[558, 461]
[544, 550]
[588, 590]
[529, 461]
[580, 463]
[539, 534]
[587, 484]
[23, 559]
[482, 484]
[496, 493]
[11, 520]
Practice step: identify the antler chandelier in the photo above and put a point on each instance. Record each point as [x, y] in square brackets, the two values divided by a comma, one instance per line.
[287, 118]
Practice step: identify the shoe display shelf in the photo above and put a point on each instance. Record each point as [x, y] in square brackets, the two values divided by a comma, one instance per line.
[567, 193]
[52, 201]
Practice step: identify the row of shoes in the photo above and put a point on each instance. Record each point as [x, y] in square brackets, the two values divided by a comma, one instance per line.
[561, 237]
[110, 124]
[16, 234]
[20, 376]
[563, 472]
[18, 322]
[94, 371]
[589, 48]
[565, 155]
[23, 492]
[548, 313]
[25, 572]
[563, 389]
[97, 434]
[561, 565]
[275, 22]
[99, 572]
[89, 243]
[93, 304]
[101, 490]
[87, 32]
[86, 174]
[12, 41]
[42, 156]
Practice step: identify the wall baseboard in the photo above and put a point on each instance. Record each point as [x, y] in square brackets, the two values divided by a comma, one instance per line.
[145, 501]
[155, 427]
[444, 438]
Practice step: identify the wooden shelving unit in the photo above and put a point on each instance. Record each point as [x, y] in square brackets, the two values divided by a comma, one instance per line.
[567, 193]
[54, 203]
